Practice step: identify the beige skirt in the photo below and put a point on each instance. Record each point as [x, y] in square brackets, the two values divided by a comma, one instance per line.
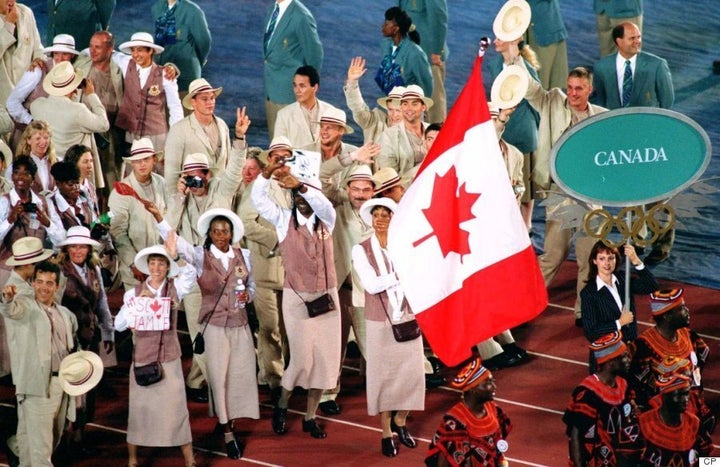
[314, 343]
[158, 414]
[395, 371]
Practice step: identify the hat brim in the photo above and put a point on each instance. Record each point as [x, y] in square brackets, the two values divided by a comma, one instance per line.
[61, 49]
[11, 261]
[186, 100]
[510, 87]
[512, 20]
[204, 221]
[126, 47]
[348, 129]
[93, 379]
[80, 241]
[64, 90]
[393, 182]
[369, 205]
[141, 260]
[139, 157]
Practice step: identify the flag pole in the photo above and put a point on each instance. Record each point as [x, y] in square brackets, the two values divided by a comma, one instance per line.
[628, 219]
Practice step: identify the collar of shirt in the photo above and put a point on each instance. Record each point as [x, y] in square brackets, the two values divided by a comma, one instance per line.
[612, 289]
[224, 257]
[152, 289]
[282, 7]
[620, 68]
[308, 222]
[14, 197]
[143, 73]
[82, 270]
[63, 205]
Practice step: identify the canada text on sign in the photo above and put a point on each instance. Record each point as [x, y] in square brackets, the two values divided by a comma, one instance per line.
[630, 156]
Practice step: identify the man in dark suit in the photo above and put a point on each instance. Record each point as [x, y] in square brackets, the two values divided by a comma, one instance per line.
[290, 41]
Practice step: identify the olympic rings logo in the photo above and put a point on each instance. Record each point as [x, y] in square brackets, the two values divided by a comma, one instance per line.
[629, 223]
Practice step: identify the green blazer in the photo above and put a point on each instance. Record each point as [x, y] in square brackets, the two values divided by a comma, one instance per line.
[79, 18]
[430, 18]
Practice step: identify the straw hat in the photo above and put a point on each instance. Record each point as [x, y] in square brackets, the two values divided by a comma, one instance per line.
[79, 235]
[413, 92]
[278, 143]
[27, 250]
[359, 172]
[61, 80]
[512, 21]
[395, 94]
[64, 43]
[203, 224]
[195, 161]
[385, 178]
[80, 372]
[140, 39]
[510, 87]
[141, 148]
[197, 86]
[141, 260]
[367, 207]
[336, 116]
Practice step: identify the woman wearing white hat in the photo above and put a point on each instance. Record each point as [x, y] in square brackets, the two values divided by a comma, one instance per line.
[158, 414]
[395, 370]
[148, 95]
[226, 283]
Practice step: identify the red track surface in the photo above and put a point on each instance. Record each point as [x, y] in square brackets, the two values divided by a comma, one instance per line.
[534, 395]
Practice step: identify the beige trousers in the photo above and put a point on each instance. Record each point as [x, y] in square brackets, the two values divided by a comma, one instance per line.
[553, 60]
[438, 112]
[41, 421]
[605, 25]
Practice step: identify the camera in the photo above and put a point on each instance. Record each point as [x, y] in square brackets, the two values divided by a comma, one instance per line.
[29, 207]
[193, 181]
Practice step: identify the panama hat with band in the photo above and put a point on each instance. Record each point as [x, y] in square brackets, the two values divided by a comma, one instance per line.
[395, 95]
[62, 79]
[385, 178]
[27, 250]
[63, 43]
[509, 88]
[336, 116]
[414, 92]
[196, 87]
[142, 256]
[140, 39]
[79, 235]
[80, 372]
[512, 20]
[368, 206]
[141, 149]
[195, 161]
[206, 219]
[359, 172]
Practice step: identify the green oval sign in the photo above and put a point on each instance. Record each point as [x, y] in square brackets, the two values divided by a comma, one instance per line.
[630, 156]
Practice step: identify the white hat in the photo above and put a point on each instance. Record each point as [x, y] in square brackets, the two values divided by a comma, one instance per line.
[359, 172]
[395, 94]
[78, 235]
[195, 161]
[203, 224]
[64, 43]
[277, 143]
[413, 92]
[510, 87]
[140, 39]
[141, 149]
[27, 250]
[336, 116]
[61, 80]
[512, 21]
[367, 207]
[80, 372]
[197, 86]
[385, 178]
[141, 260]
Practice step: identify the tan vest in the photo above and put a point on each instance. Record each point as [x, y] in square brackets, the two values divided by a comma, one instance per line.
[377, 304]
[147, 342]
[39, 91]
[302, 253]
[142, 111]
[21, 229]
[217, 286]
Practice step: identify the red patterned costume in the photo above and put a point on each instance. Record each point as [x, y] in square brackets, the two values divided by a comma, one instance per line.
[668, 446]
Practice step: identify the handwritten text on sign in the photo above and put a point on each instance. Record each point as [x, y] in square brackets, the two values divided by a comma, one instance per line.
[149, 313]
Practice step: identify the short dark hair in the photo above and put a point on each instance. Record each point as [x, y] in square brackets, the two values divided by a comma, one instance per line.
[47, 266]
[582, 72]
[64, 171]
[27, 162]
[618, 32]
[310, 72]
[75, 152]
[432, 127]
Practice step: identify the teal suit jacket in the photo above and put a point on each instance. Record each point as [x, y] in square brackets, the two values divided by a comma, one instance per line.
[414, 64]
[79, 18]
[430, 18]
[652, 83]
[294, 43]
[619, 8]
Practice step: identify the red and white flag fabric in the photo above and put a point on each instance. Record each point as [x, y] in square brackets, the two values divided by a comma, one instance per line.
[457, 240]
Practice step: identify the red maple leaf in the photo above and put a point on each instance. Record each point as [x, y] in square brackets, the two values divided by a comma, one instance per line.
[451, 205]
[155, 306]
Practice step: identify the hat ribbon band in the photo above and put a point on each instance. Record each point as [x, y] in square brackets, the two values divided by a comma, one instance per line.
[64, 83]
[31, 255]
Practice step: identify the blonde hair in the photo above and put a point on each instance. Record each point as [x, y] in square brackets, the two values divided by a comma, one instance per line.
[529, 55]
[92, 260]
[23, 148]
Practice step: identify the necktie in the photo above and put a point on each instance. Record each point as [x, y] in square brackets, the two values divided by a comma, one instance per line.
[271, 25]
[627, 84]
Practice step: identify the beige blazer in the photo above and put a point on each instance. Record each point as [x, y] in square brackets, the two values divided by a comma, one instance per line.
[373, 122]
[396, 150]
[291, 123]
[83, 64]
[28, 47]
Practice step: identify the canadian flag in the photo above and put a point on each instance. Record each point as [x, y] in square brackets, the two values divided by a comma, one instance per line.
[457, 240]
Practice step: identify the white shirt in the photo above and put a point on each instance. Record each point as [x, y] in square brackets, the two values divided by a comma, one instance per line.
[23, 88]
[223, 256]
[282, 8]
[620, 70]
[55, 231]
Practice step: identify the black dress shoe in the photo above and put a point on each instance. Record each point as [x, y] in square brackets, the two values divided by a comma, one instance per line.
[315, 430]
[197, 395]
[403, 434]
[330, 408]
[279, 425]
[234, 451]
[436, 364]
[502, 360]
[433, 381]
[389, 447]
[514, 349]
